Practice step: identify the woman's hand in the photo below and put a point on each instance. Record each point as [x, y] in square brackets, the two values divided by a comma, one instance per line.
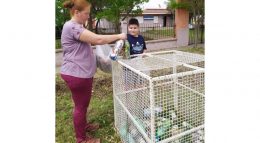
[122, 36]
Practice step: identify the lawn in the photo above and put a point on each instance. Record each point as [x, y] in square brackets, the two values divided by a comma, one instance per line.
[57, 44]
[153, 34]
[100, 110]
[198, 50]
[162, 32]
[201, 36]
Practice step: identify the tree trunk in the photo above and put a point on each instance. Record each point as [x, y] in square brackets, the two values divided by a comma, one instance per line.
[195, 28]
[117, 27]
[96, 30]
[90, 23]
[202, 29]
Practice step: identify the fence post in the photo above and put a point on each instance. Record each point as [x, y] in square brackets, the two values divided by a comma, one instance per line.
[124, 27]
[182, 29]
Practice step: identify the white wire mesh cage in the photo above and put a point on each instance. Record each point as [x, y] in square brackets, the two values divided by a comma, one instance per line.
[159, 97]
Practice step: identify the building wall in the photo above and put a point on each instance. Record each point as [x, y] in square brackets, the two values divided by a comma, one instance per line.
[157, 20]
[161, 20]
[169, 21]
[148, 22]
[105, 23]
[140, 19]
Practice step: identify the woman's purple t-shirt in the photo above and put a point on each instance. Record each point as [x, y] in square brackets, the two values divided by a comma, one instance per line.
[78, 57]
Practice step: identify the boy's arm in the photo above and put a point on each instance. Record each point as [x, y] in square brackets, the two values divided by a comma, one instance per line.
[144, 46]
[145, 49]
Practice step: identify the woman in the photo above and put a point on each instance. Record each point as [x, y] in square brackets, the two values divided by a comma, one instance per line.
[79, 64]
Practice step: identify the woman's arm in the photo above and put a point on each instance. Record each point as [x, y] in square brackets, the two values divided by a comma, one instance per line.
[92, 38]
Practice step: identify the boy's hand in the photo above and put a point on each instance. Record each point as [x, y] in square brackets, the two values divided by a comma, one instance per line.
[143, 56]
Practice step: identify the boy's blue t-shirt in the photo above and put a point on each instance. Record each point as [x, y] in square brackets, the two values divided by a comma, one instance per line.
[137, 44]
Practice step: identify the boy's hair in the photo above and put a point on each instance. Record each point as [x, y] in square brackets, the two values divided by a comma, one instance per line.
[133, 21]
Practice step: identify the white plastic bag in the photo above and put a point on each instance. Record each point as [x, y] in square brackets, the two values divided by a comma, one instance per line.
[103, 60]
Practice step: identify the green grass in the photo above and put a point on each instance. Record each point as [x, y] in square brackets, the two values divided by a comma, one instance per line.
[192, 36]
[162, 32]
[198, 50]
[100, 110]
[158, 33]
[57, 44]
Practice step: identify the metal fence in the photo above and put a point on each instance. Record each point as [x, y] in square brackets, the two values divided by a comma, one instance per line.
[192, 34]
[156, 31]
[148, 31]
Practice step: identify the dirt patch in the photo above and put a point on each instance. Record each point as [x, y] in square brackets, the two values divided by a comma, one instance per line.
[103, 86]
[60, 86]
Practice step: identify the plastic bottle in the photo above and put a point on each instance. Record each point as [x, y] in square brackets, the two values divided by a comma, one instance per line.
[186, 125]
[115, 51]
[157, 110]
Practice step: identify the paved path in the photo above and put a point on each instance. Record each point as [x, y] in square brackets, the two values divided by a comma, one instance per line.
[58, 57]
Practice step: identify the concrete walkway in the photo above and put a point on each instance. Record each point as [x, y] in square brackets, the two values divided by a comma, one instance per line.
[59, 53]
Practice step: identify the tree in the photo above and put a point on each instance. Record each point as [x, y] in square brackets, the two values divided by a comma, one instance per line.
[62, 15]
[108, 9]
[113, 10]
[97, 6]
[196, 9]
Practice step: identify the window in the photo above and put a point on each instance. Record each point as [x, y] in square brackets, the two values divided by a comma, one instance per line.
[148, 17]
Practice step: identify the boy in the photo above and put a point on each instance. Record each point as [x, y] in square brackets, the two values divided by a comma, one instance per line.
[136, 41]
[137, 46]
